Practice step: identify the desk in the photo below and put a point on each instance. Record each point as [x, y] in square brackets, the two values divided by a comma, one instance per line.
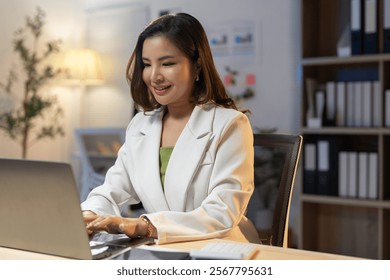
[265, 253]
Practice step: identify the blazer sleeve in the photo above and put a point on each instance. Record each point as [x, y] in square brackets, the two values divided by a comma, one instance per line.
[229, 189]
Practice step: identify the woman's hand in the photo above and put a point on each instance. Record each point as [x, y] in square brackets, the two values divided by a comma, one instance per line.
[88, 214]
[132, 227]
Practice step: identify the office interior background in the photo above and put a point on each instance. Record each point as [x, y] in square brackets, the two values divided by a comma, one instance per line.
[110, 27]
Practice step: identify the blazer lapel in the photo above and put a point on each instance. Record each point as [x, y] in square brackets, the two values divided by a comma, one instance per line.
[186, 156]
[145, 145]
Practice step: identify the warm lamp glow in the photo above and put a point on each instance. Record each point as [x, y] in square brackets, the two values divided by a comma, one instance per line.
[82, 66]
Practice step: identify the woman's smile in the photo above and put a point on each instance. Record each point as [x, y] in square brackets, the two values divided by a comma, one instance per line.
[161, 90]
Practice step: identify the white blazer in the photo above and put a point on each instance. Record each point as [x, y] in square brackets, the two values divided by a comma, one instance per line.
[208, 181]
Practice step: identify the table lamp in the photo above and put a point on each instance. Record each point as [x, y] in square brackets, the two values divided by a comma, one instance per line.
[81, 68]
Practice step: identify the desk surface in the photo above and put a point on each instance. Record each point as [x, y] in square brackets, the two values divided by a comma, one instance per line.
[265, 253]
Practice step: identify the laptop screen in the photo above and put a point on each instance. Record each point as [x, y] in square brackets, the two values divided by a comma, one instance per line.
[40, 209]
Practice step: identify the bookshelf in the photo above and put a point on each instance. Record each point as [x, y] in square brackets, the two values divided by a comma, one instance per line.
[350, 225]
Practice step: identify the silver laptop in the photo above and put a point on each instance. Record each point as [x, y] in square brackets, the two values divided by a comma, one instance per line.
[40, 212]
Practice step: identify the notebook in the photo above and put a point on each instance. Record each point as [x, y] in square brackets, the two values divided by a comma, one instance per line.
[40, 212]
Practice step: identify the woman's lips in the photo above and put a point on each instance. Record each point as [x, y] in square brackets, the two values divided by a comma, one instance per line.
[161, 90]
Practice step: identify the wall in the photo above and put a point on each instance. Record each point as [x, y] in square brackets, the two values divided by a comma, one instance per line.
[112, 31]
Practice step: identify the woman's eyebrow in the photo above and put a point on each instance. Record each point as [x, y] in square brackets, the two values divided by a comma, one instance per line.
[160, 58]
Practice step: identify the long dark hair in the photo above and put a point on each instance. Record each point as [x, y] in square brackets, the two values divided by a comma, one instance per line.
[188, 35]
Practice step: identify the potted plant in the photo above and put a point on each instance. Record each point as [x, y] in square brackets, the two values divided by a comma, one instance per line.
[27, 112]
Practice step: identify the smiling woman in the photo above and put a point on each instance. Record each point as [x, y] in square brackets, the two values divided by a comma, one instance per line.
[188, 156]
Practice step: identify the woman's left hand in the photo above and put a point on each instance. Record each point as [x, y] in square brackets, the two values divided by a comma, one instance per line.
[132, 227]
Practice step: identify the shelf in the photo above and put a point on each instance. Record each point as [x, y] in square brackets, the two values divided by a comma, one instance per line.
[321, 199]
[331, 60]
[346, 130]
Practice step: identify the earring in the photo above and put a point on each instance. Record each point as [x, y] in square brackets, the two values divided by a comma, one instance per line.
[197, 78]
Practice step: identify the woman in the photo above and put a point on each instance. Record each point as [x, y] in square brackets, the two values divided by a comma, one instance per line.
[188, 157]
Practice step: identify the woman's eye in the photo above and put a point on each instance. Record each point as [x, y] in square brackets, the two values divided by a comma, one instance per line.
[168, 63]
[146, 65]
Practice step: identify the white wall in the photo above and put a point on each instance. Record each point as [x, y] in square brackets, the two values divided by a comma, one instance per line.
[112, 31]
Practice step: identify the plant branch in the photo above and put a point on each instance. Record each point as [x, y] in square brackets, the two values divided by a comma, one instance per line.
[25, 120]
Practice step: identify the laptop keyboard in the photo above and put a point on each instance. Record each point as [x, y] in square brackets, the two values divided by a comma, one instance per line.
[105, 245]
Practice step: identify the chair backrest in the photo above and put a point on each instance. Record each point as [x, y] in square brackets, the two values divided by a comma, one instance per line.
[285, 150]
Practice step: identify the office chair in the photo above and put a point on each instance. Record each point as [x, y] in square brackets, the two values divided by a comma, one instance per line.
[280, 154]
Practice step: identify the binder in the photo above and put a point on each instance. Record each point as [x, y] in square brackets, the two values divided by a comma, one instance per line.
[327, 167]
[363, 175]
[356, 27]
[340, 107]
[358, 104]
[309, 181]
[330, 103]
[386, 26]
[350, 104]
[370, 26]
[366, 104]
[373, 175]
[343, 174]
[376, 104]
[323, 167]
[352, 174]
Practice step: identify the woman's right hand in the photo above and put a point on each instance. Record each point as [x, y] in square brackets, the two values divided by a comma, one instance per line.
[132, 227]
[87, 215]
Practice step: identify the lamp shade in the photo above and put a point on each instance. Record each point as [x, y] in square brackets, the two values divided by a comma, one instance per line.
[82, 66]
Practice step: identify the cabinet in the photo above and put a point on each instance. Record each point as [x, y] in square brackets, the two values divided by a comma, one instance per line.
[330, 222]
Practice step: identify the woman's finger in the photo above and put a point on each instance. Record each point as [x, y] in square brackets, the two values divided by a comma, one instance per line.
[88, 219]
[108, 224]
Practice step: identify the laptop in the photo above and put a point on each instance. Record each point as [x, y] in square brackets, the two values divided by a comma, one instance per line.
[40, 212]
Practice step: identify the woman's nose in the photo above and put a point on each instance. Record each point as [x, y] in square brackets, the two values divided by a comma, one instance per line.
[156, 76]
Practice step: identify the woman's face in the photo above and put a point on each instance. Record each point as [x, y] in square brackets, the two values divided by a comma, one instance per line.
[168, 73]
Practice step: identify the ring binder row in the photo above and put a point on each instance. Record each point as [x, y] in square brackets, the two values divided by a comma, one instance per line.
[347, 104]
[365, 25]
[333, 171]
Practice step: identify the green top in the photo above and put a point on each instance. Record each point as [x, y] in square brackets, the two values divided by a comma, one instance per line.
[165, 154]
